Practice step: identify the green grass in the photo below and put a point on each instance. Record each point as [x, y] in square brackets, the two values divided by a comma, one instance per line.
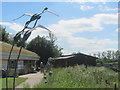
[80, 77]
[10, 82]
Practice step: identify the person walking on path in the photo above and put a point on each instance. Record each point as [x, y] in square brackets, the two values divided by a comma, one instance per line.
[41, 67]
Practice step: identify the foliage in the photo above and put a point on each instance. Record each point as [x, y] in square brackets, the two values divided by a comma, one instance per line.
[108, 56]
[44, 48]
[3, 34]
[5, 38]
[10, 82]
[80, 77]
[18, 44]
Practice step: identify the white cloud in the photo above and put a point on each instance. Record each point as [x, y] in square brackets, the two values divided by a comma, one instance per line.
[13, 26]
[65, 29]
[66, 52]
[85, 7]
[111, 9]
[40, 32]
[107, 18]
[102, 8]
[11, 35]
[83, 24]
[88, 46]
[5, 23]
[16, 27]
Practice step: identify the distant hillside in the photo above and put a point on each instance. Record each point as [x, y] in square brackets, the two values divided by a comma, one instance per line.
[80, 77]
[7, 47]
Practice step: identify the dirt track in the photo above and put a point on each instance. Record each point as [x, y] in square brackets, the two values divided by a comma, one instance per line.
[32, 80]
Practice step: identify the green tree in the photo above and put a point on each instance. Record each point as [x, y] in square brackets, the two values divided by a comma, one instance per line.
[113, 55]
[44, 48]
[109, 54]
[18, 44]
[103, 55]
[99, 55]
[3, 35]
[117, 53]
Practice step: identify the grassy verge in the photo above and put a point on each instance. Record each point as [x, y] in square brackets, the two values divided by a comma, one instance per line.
[10, 82]
[80, 77]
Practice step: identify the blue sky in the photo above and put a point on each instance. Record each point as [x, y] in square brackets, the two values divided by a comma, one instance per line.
[81, 27]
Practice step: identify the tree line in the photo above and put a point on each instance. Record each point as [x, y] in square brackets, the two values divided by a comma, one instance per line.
[107, 56]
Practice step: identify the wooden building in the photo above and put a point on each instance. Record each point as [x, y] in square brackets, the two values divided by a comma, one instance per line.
[75, 59]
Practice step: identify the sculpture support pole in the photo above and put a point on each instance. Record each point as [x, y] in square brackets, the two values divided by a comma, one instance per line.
[8, 66]
[35, 23]
[16, 62]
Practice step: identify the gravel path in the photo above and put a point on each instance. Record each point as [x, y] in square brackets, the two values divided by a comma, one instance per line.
[32, 80]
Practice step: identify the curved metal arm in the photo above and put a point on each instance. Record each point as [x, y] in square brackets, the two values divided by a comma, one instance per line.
[16, 38]
[8, 65]
[25, 37]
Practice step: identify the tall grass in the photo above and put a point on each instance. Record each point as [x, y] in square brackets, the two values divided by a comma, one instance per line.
[80, 77]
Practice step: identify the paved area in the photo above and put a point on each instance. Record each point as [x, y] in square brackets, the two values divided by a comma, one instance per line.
[32, 80]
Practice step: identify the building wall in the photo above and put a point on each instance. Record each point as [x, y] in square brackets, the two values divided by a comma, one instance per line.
[28, 64]
[4, 64]
[24, 66]
[61, 63]
[20, 67]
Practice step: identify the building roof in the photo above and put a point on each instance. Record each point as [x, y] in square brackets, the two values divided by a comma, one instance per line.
[73, 55]
[65, 57]
[25, 54]
[86, 55]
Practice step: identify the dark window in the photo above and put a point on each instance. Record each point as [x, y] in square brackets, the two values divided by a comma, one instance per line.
[12, 64]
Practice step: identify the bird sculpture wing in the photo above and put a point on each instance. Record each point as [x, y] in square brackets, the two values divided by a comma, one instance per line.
[29, 14]
[40, 26]
[23, 15]
[43, 27]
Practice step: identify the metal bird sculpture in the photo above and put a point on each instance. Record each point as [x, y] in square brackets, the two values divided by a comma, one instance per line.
[25, 37]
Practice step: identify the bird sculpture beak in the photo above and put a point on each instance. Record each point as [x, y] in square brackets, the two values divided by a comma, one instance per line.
[52, 12]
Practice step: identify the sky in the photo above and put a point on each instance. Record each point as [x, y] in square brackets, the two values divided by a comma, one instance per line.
[86, 27]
